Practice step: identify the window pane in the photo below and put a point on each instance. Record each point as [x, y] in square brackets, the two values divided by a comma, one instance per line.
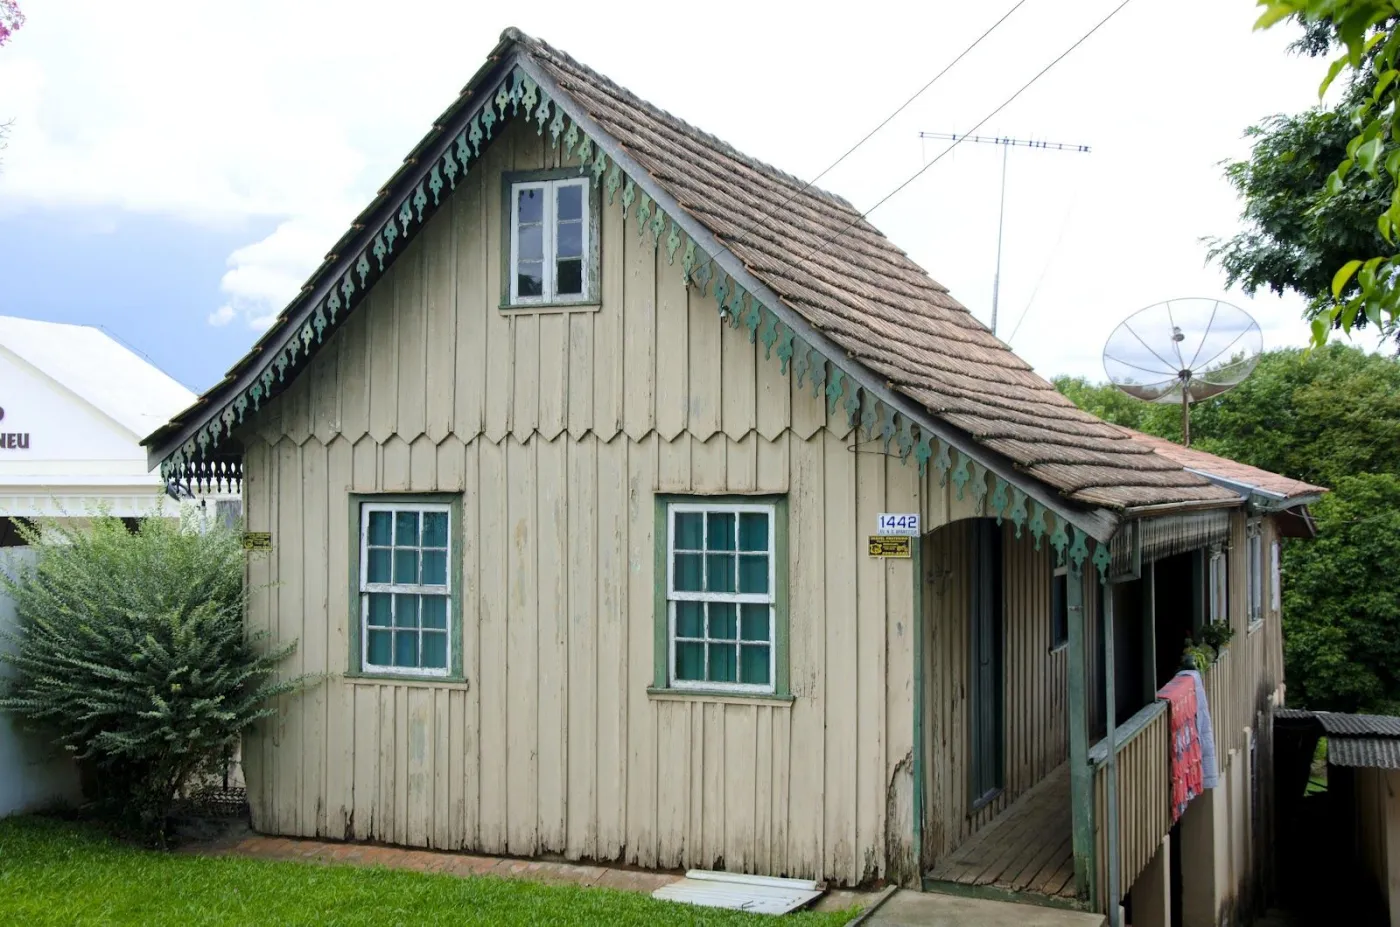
[530, 243]
[688, 573]
[531, 205]
[722, 620]
[406, 566]
[405, 648]
[569, 241]
[721, 536]
[378, 569]
[434, 529]
[753, 573]
[755, 622]
[434, 650]
[406, 611]
[433, 610]
[530, 279]
[690, 661]
[753, 531]
[380, 651]
[380, 524]
[381, 609]
[754, 668]
[690, 531]
[724, 663]
[405, 529]
[435, 567]
[690, 619]
[569, 205]
[568, 281]
[720, 575]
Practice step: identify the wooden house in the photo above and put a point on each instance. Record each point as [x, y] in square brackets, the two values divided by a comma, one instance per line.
[574, 477]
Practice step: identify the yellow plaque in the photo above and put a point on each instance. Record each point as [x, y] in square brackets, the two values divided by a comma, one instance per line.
[888, 545]
[257, 540]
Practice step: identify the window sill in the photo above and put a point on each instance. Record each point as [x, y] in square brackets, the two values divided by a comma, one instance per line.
[1254, 626]
[417, 682]
[985, 800]
[731, 698]
[587, 305]
[1063, 645]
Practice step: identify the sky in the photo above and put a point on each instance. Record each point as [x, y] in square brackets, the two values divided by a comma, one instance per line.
[176, 170]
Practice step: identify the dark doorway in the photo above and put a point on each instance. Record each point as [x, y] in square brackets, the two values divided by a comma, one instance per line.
[985, 657]
[1177, 586]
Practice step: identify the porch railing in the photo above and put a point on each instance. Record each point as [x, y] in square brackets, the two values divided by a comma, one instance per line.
[1144, 796]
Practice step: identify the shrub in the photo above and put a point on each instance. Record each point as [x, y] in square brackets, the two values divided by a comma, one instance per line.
[130, 649]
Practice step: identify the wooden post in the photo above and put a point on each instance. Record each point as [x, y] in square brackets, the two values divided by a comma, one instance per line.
[1149, 632]
[1110, 684]
[1081, 774]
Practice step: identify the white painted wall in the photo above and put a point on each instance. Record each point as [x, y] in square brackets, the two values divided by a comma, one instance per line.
[33, 774]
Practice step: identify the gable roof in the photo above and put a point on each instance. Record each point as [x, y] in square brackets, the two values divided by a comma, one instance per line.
[105, 374]
[894, 348]
[1248, 479]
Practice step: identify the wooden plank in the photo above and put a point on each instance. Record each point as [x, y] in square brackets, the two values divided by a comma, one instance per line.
[493, 721]
[610, 543]
[709, 464]
[422, 465]
[410, 307]
[443, 826]
[257, 490]
[440, 304]
[695, 756]
[364, 466]
[708, 727]
[386, 807]
[738, 727]
[366, 825]
[807, 561]
[526, 369]
[473, 302]
[675, 784]
[639, 333]
[705, 391]
[353, 375]
[399, 739]
[780, 810]
[739, 414]
[315, 635]
[396, 472]
[522, 652]
[325, 391]
[773, 465]
[553, 374]
[288, 793]
[500, 332]
[672, 351]
[383, 358]
[418, 759]
[551, 617]
[869, 660]
[773, 394]
[743, 463]
[579, 400]
[764, 816]
[582, 670]
[843, 654]
[468, 776]
[340, 710]
[641, 778]
[606, 367]
[674, 466]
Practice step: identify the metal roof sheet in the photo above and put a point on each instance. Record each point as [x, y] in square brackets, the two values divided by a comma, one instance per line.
[1358, 725]
[1374, 752]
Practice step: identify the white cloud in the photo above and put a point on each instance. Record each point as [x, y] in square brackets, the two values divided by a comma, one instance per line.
[222, 315]
[297, 112]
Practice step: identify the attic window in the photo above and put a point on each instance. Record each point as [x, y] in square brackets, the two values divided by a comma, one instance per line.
[551, 241]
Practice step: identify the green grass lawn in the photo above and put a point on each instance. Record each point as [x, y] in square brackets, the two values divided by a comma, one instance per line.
[55, 872]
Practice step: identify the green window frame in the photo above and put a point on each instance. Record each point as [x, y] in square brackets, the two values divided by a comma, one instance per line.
[722, 595]
[405, 586]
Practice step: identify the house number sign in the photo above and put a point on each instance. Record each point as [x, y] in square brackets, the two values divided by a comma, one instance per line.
[898, 523]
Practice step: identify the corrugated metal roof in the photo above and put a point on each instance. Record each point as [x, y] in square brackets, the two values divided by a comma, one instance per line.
[755, 894]
[1373, 752]
[1358, 725]
[1353, 740]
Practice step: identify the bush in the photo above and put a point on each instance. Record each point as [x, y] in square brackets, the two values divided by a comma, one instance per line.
[130, 648]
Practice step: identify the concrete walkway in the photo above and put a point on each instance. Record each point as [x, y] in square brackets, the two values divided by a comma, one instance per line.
[930, 909]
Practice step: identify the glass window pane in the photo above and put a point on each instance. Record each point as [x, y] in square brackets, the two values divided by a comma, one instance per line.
[754, 668]
[568, 280]
[406, 566]
[724, 663]
[405, 648]
[755, 622]
[529, 281]
[381, 609]
[690, 661]
[529, 243]
[434, 529]
[569, 240]
[569, 205]
[380, 651]
[690, 531]
[377, 571]
[433, 611]
[689, 573]
[753, 573]
[434, 650]
[531, 205]
[722, 620]
[721, 536]
[406, 611]
[690, 619]
[405, 529]
[753, 531]
[380, 525]
[435, 567]
[720, 573]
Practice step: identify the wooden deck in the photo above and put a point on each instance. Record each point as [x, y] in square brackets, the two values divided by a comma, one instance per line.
[1026, 850]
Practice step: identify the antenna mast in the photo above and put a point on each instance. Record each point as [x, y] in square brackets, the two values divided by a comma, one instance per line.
[1006, 143]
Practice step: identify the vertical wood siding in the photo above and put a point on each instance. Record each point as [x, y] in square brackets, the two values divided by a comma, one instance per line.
[558, 428]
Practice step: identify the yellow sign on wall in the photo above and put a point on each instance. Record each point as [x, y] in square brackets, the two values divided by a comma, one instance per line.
[257, 540]
[888, 545]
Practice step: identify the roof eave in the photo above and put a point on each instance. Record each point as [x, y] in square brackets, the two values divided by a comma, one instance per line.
[1258, 498]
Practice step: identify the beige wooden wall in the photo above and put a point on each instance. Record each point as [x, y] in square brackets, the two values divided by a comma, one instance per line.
[1036, 687]
[558, 429]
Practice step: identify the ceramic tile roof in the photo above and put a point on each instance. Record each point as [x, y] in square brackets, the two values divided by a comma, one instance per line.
[1225, 468]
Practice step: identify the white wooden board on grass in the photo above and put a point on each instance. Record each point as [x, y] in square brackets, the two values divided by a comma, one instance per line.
[756, 894]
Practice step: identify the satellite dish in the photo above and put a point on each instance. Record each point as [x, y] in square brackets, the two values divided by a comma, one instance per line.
[1182, 351]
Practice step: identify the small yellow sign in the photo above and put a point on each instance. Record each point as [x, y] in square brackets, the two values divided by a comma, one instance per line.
[257, 540]
[888, 545]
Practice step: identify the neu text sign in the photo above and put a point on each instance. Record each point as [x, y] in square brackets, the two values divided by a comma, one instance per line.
[13, 440]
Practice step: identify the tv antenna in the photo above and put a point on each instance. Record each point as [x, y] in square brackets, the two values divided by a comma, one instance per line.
[1182, 351]
[1006, 143]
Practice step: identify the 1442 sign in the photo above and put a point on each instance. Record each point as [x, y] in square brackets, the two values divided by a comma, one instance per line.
[898, 523]
[13, 440]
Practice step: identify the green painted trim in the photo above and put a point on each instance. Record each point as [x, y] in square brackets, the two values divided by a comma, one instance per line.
[993, 893]
[1081, 774]
[454, 600]
[592, 296]
[782, 686]
[1123, 733]
[918, 631]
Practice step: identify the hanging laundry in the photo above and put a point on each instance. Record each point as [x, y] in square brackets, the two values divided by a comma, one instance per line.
[1210, 769]
[1185, 744]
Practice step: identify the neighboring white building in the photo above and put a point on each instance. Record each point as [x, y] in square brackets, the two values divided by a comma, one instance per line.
[74, 405]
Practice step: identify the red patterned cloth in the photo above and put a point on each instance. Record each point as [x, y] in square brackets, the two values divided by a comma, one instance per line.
[1185, 746]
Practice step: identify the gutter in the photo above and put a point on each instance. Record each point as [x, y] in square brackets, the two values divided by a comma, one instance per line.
[1265, 500]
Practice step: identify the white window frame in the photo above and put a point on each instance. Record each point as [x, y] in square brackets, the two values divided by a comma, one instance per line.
[366, 587]
[549, 229]
[1218, 577]
[740, 598]
[1254, 573]
[1275, 577]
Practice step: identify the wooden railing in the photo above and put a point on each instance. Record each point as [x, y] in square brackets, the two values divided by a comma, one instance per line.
[1144, 796]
